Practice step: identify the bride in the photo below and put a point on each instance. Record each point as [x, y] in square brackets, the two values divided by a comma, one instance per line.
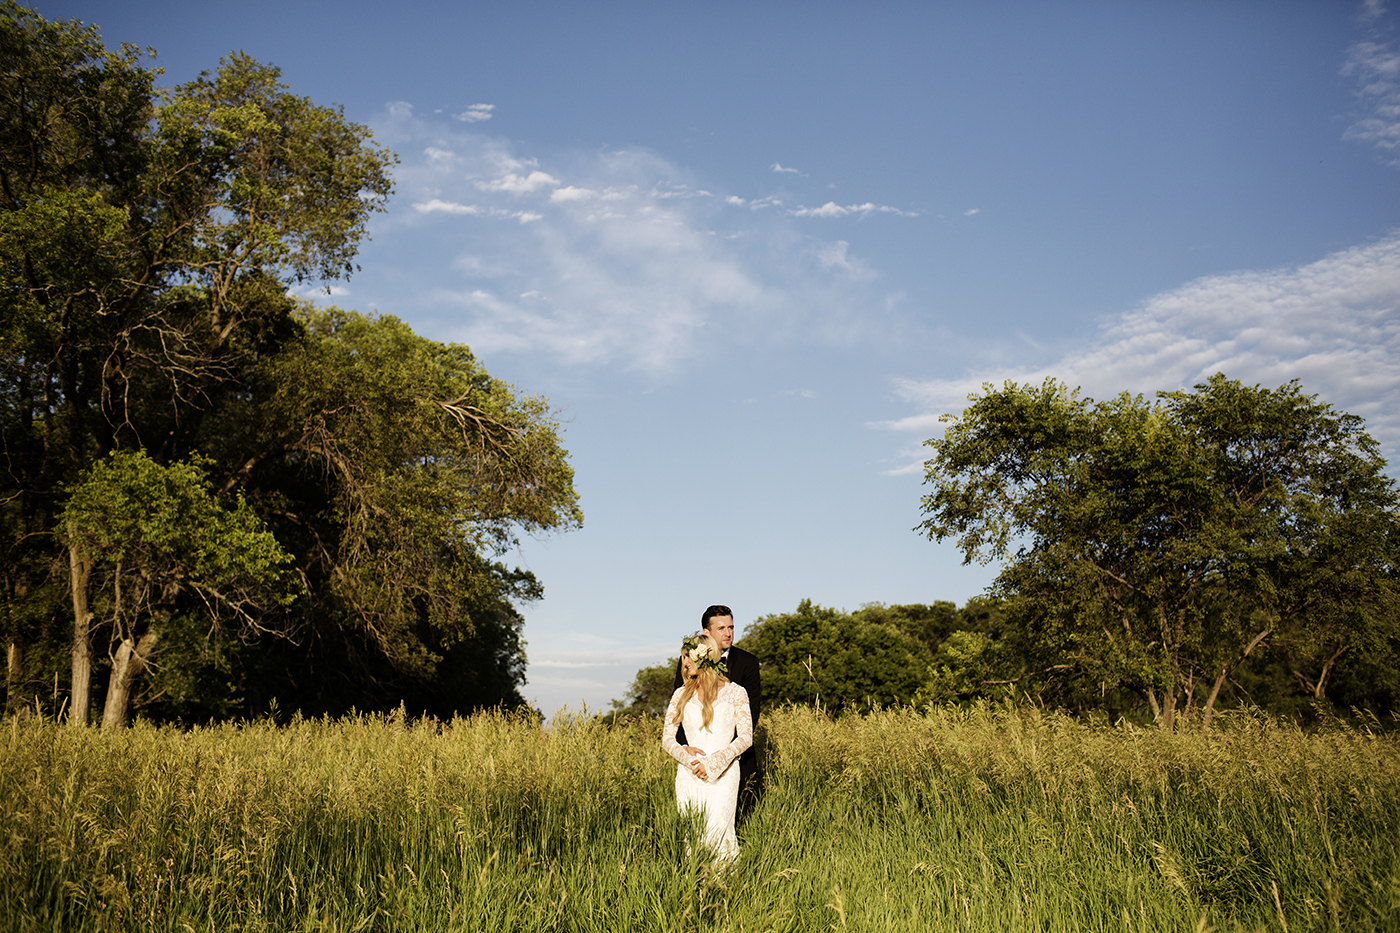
[715, 713]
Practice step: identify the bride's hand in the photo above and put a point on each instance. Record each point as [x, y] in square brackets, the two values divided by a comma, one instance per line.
[696, 767]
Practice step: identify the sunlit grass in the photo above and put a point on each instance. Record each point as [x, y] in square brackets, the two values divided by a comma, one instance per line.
[989, 819]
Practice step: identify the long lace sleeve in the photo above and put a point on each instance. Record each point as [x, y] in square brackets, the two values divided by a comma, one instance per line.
[717, 761]
[669, 726]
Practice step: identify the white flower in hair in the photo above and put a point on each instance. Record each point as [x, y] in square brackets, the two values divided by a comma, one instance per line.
[701, 655]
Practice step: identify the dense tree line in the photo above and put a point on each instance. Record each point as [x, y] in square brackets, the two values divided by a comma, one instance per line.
[214, 497]
[914, 654]
[874, 656]
[1178, 548]
[1231, 545]
[1226, 546]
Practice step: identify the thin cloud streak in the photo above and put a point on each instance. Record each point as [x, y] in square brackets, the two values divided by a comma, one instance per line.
[476, 113]
[1334, 324]
[445, 207]
[600, 658]
[832, 209]
[560, 680]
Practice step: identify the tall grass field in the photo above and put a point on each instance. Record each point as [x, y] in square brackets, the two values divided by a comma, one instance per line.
[990, 819]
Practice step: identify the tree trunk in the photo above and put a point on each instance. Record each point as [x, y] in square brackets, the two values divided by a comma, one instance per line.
[1322, 678]
[1209, 708]
[1225, 669]
[79, 572]
[1318, 688]
[1152, 704]
[14, 670]
[1169, 708]
[126, 667]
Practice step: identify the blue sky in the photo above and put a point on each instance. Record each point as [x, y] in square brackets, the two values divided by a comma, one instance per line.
[752, 251]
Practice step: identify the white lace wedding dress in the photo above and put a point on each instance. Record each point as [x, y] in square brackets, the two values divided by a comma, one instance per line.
[730, 734]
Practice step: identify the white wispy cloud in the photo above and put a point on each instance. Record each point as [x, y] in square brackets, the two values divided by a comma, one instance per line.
[780, 168]
[320, 293]
[757, 204]
[477, 267]
[667, 191]
[971, 211]
[571, 193]
[1334, 324]
[579, 668]
[476, 113]
[832, 209]
[837, 255]
[520, 184]
[1376, 67]
[439, 206]
[617, 258]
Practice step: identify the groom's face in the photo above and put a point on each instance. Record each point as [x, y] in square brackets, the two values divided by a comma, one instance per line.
[721, 629]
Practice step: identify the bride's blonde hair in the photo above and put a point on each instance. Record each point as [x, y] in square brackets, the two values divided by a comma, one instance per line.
[706, 682]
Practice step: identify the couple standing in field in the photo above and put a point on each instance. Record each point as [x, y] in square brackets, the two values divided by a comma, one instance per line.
[709, 723]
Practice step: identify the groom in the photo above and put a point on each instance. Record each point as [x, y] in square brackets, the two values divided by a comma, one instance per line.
[718, 621]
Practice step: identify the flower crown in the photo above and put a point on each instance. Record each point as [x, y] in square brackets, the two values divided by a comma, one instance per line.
[700, 655]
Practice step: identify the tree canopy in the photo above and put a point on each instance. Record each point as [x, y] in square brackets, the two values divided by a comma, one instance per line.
[876, 656]
[1157, 545]
[153, 542]
[398, 469]
[822, 655]
[148, 241]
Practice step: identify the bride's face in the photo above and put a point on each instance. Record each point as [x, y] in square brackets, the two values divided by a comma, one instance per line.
[688, 666]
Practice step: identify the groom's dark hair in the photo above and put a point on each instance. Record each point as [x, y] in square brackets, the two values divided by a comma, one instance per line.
[712, 612]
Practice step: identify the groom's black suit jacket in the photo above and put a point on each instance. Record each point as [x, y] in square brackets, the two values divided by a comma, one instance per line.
[743, 670]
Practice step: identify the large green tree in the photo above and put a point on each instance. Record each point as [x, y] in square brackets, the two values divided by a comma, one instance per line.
[152, 542]
[145, 243]
[399, 471]
[841, 660]
[1158, 545]
[148, 242]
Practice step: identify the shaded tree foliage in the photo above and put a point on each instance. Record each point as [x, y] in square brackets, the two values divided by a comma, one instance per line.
[1160, 546]
[396, 469]
[152, 543]
[878, 655]
[147, 244]
[840, 660]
